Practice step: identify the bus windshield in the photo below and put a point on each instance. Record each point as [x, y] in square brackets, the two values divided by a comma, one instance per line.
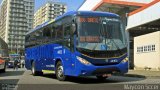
[100, 33]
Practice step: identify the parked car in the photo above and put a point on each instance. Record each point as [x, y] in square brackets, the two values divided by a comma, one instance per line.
[10, 64]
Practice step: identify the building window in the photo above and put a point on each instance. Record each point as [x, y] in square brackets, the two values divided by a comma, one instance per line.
[142, 49]
[146, 49]
[153, 47]
[149, 48]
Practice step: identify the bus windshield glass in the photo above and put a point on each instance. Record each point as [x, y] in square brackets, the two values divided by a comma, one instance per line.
[100, 33]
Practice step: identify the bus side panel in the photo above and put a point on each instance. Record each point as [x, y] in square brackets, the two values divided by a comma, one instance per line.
[37, 59]
[69, 62]
[48, 60]
[32, 54]
[27, 58]
[64, 55]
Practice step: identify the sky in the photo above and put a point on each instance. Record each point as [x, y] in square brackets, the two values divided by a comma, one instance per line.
[71, 4]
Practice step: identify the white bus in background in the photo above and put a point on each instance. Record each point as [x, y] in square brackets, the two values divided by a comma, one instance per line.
[3, 55]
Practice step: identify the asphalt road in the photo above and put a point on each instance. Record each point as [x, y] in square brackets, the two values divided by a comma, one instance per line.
[23, 80]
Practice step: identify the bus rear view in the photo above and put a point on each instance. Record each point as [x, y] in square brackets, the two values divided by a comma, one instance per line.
[92, 44]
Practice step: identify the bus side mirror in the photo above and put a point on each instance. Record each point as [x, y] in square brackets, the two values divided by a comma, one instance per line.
[73, 28]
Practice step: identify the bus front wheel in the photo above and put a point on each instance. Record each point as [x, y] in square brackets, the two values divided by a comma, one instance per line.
[60, 72]
[34, 72]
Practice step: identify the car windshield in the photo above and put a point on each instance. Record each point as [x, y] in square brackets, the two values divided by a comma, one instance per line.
[100, 33]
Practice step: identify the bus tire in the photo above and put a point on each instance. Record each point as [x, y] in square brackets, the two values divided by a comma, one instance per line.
[100, 77]
[34, 72]
[60, 72]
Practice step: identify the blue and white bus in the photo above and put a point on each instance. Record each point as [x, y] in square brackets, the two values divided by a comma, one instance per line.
[78, 43]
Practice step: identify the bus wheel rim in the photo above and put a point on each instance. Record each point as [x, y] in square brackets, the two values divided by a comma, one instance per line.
[60, 71]
[33, 69]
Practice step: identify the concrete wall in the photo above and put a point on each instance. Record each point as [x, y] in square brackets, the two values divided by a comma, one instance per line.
[147, 58]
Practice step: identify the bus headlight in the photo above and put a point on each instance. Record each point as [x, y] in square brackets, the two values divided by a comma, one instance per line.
[124, 60]
[83, 61]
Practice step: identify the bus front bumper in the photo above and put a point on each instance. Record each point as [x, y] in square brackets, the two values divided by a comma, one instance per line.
[92, 70]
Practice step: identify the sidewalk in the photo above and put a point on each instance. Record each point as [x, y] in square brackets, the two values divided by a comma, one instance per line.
[142, 74]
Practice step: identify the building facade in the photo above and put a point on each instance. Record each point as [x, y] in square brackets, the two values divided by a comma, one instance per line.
[16, 19]
[3, 48]
[49, 11]
[146, 51]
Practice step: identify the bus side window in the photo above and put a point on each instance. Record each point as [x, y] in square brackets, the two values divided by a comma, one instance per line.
[53, 33]
[27, 41]
[67, 30]
[59, 32]
[67, 36]
[46, 32]
[38, 36]
[46, 35]
[32, 39]
[73, 31]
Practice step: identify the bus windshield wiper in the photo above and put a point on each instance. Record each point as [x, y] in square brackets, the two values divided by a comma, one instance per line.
[118, 48]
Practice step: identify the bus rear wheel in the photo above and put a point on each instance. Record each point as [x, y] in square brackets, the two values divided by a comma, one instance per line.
[60, 72]
[34, 72]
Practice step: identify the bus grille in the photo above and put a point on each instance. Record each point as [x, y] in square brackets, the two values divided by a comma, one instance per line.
[104, 54]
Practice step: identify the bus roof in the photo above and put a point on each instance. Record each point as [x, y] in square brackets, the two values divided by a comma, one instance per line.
[88, 13]
[78, 13]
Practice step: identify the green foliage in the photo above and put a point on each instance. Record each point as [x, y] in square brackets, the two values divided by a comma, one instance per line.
[12, 52]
